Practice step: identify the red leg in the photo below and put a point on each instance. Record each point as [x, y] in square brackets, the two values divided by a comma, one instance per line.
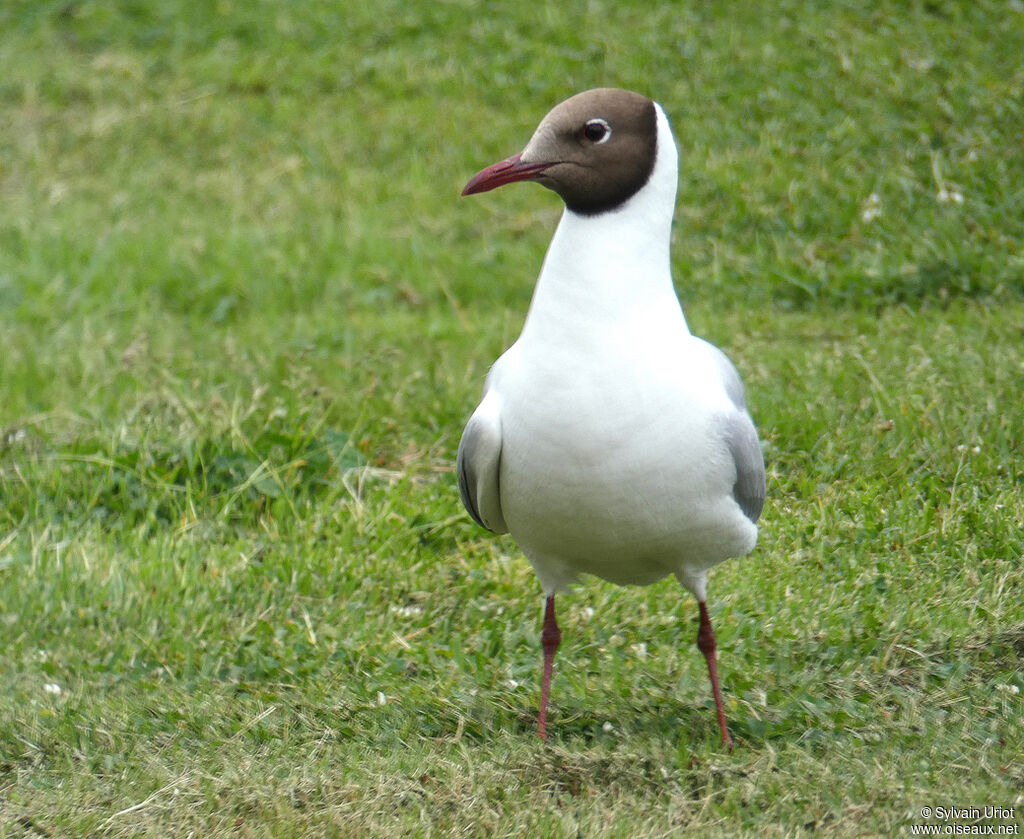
[550, 638]
[706, 644]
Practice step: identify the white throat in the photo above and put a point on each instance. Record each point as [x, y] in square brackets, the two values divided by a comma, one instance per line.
[607, 269]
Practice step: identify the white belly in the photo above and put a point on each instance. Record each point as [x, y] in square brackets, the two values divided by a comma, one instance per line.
[620, 475]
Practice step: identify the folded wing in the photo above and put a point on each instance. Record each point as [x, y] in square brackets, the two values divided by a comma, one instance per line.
[741, 438]
[478, 465]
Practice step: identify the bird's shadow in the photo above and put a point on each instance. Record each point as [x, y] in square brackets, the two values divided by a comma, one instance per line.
[661, 719]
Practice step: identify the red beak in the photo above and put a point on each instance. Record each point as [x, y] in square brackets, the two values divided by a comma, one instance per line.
[506, 172]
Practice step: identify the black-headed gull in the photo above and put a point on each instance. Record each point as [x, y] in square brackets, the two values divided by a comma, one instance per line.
[609, 440]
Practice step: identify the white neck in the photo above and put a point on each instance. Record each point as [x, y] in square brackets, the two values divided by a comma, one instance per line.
[600, 270]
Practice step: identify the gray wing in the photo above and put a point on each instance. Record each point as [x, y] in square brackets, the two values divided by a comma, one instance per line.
[730, 378]
[478, 466]
[745, 448]
[741, 437]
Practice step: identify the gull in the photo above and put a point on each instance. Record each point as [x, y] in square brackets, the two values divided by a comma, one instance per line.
[610, 441]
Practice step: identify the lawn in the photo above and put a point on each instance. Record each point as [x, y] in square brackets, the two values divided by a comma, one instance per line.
[244, 316]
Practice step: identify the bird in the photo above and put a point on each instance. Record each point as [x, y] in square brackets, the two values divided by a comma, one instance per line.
[610, 441]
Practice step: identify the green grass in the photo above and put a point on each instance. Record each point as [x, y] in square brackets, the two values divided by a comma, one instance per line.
[243, 318]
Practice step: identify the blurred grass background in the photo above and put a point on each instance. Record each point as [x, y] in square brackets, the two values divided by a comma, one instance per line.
[244, 315]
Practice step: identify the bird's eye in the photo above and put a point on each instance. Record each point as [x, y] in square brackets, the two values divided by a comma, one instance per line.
[597, 130]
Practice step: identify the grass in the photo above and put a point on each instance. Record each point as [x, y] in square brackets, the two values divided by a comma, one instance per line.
[244, 317]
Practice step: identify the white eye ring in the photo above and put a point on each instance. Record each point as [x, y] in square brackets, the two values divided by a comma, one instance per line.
[599, 128]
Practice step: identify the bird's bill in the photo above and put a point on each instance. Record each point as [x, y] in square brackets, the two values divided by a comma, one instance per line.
[504, 172]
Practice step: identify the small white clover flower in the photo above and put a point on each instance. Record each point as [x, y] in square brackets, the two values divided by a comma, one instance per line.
[871, 208]
[53, 689]
[950, 195]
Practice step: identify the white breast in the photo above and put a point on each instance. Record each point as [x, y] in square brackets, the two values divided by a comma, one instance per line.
[612, 463]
